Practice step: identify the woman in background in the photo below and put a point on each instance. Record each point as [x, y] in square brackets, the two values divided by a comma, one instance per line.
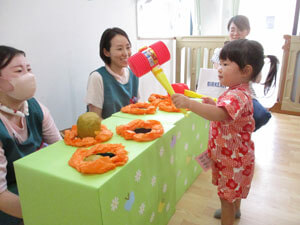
[112, 86]
[25, 126]
[238, 28]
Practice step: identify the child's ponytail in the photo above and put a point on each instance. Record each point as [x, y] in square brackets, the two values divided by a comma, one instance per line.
[271, 78]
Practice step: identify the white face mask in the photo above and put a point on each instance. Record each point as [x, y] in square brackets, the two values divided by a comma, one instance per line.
[23, 87]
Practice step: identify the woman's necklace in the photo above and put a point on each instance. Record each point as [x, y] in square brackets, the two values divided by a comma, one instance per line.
[15, 112]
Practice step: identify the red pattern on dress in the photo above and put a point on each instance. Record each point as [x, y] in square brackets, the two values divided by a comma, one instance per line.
[230, 146]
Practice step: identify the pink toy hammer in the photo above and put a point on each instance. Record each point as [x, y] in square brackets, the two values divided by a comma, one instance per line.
[149, 59]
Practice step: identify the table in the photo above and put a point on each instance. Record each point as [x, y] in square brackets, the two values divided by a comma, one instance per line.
[143, 191]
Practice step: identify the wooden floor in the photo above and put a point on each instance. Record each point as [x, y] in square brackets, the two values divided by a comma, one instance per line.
[274, 198]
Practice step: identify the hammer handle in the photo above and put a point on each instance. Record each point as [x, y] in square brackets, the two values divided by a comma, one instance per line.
[161, 77]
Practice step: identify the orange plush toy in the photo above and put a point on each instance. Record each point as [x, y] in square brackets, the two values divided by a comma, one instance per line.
[155, 99]
[139, 108]
[140, 130]
[88, 131]
[168, 106]
[163, 102]
[99, 159]
[71, 137]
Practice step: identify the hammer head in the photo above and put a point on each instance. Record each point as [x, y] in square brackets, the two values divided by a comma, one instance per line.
[147, 58]
[180, 87]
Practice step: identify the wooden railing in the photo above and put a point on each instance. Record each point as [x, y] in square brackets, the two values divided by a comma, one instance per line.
[288, 100]
[195, 52]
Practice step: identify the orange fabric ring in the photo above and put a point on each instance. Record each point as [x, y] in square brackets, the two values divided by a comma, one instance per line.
[101, 136]
[139, 108]
[156, 98]
[134, 130]
[114, 155]
[168, 106]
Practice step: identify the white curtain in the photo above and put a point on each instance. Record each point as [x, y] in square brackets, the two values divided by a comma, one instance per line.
[197, 18]
[235, 7]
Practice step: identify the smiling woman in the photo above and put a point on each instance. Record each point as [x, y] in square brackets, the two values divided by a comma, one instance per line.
[25, 126]
[114, 85]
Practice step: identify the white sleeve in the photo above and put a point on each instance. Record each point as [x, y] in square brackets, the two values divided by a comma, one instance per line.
[3, 164]
[95, 90]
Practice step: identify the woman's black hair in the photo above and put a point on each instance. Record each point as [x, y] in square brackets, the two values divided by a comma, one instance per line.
[247, 52]
[7, 54]
[240, 21]
[105, 42]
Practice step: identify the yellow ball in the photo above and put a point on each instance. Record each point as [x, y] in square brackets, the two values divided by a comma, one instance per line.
[87, 124]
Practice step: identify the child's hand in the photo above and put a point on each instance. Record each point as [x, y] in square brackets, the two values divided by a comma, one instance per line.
[180, 101]
[208, 100]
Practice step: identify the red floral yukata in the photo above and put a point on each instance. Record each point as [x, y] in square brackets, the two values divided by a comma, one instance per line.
[230, 146]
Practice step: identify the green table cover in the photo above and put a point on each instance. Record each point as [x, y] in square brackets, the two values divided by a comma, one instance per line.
[143, 191]
[190, 136]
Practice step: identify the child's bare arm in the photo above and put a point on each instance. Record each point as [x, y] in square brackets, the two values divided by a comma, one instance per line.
[207, 111]
[208, 100]
[10, 204]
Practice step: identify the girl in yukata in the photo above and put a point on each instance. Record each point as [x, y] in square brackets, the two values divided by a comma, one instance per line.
[230, 147]
[238, 28]
[25, 126]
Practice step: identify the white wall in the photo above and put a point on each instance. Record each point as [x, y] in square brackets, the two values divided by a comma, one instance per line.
[215, 15]
[61, 40]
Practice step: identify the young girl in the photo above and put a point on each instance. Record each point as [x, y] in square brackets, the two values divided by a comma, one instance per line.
[238, 28]
[230, 146]
[25, 125]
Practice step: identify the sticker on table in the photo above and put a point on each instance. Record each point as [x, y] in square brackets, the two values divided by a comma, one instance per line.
[129, 201]
[152, 217]
[193, 127]
[161, 151]
[185, 181]
[165, 187]
[172, 159]
[204, 160]
[168, 207]
[153, 181]
[186, 146]
[161, 205]
[178, 173]
[142, 208]
[138, 175]
[195, 169]
[178, 134]
[173, 141]
[114, 204]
